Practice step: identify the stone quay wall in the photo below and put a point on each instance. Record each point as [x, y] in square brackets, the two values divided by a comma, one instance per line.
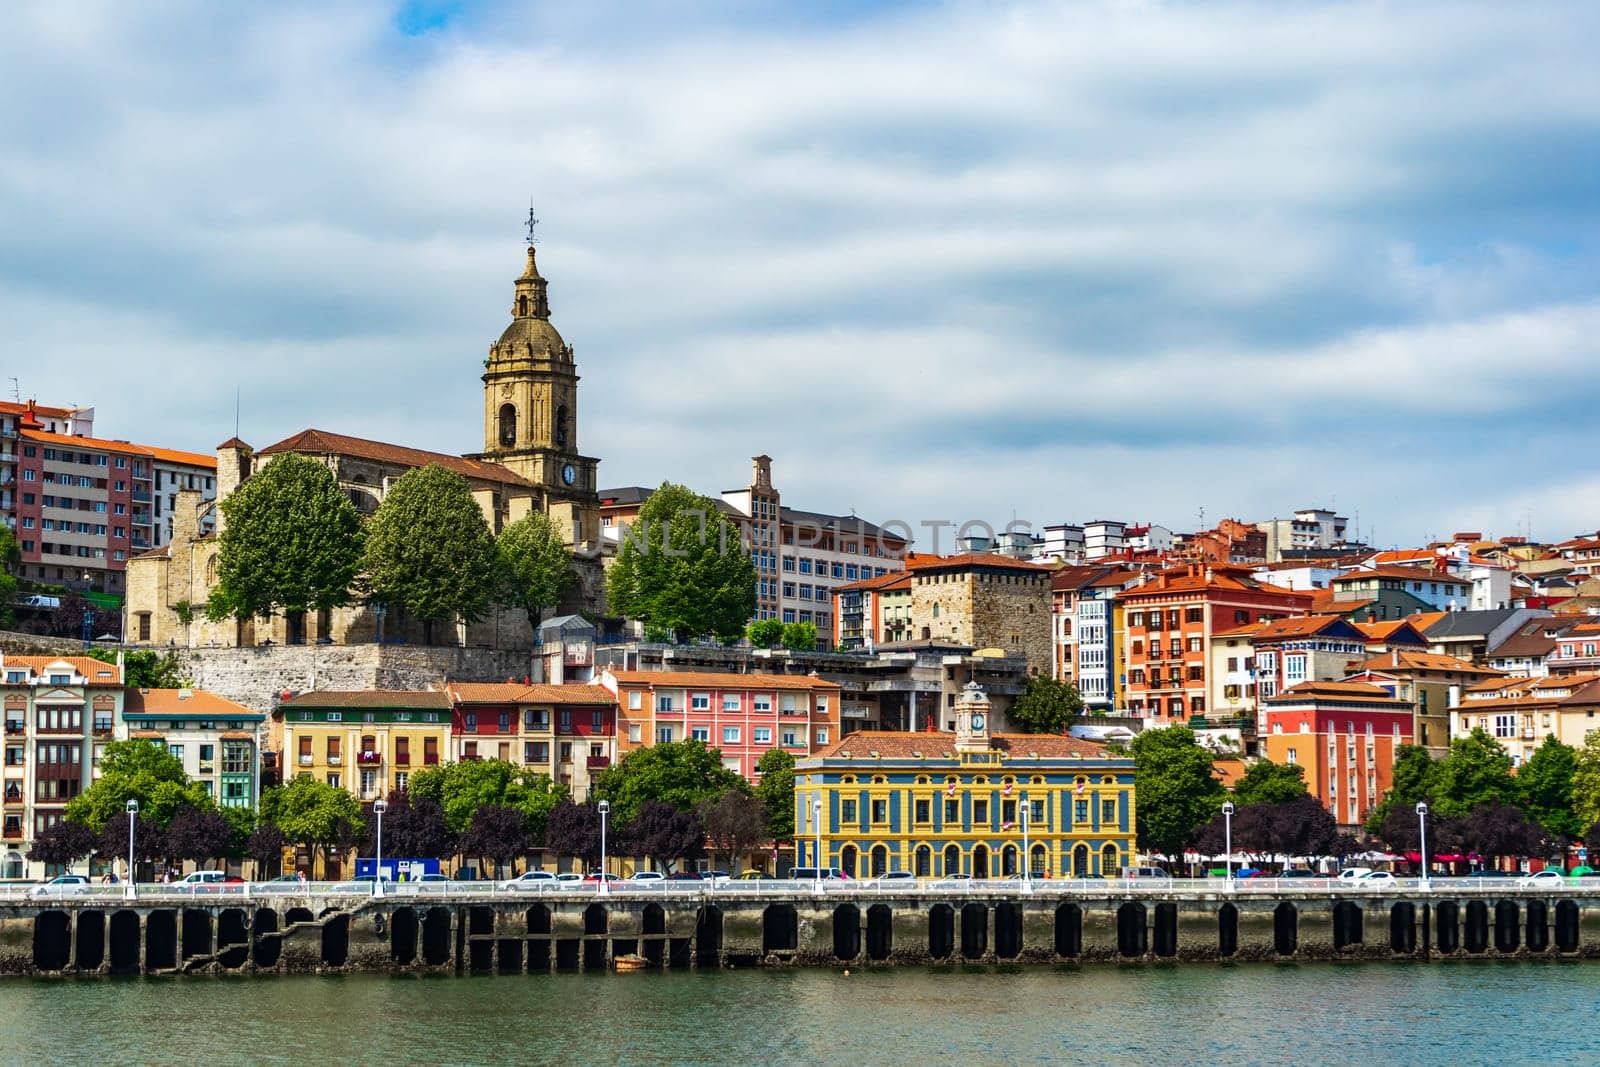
[461, 933]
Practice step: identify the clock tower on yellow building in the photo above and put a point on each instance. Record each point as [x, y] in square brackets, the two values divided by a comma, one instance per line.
[530, 411]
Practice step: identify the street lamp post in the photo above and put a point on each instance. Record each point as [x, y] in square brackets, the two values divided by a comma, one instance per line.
[88, 611]
[816, 819]
[605, 809]
[1027, 854]
[379, 806]
[1227, 838]
[1422, 827]
[132, 808]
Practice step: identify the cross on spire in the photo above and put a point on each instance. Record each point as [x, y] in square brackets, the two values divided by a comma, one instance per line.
[533, 220]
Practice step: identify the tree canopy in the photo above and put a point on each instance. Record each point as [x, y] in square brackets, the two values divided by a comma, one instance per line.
[1545, 789]
[313, 814]
[460, 789]
[1046, 706]
[291, 541]
[10, 556]
[1476, 771]
[765, 633]
[535, 565]
[679, 773]
[682, 567]
[1265, 782]
[63, 843]
[143, 668]
[498, 834]
[137, 770]
[775, 790]
[429, 551]
[734, 823]
[574, 830]
[662, 833]
[1175, 790]
[800, 636]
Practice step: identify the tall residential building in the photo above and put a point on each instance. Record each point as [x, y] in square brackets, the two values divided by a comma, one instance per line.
[1170, 622]
[1345, 735]
[59, 714]
[1083, 620]
[1311, 529]
[83, 506]
[568, 732]
[218, 741]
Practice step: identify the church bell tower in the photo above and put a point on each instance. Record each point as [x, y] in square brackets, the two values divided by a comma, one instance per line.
[530, 410]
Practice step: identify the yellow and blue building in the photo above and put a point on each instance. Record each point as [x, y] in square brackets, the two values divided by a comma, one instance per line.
[968, 803]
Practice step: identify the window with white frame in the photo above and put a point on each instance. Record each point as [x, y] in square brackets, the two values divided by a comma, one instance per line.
[730, 735]
[700, 701]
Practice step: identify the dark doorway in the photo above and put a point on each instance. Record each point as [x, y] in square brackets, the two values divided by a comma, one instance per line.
[880, 932]
[125, 942]
[436, 937]
[941, 931]
[974, 931]
[266, 945]
[846, 932]
[52, 940]
[1069, 931]
[91, 940]
[403, 936]
[161, 940]
[1007, 930]
[780, 929]
[708, 937]
[1285, 929]
[1132, 936]
[1227, 930]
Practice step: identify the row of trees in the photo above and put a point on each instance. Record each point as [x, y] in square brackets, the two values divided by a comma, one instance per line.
[1476, 803]
[293, 542]
[666, 802]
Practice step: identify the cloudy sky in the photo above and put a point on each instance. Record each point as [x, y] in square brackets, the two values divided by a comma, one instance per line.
[949, 261]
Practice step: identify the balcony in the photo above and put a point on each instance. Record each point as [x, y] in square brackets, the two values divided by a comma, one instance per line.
[305, 761]
[369, 759]
[402, 758]
[430, 759]
[208, 768]
[12, 833]
[598, 763]
[1527, 733]
[141, 496]
[14, 799]
[334, 760]
[13, 727]
[102, 729]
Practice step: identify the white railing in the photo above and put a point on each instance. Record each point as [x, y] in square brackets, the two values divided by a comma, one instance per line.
[351, 890]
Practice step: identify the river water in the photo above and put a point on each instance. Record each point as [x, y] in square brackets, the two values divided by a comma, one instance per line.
[1402, 1013]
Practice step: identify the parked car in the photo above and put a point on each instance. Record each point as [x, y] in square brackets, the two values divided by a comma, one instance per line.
[213, 881]
[61, 885]
[1377, 880]
[753, 876]
[810, 874]
[1490, 873]
[892, 878]
[685, 876]
[1546, 877]
[39, 600]
[1154, 872]
[1299, 872]
[530, 879]
[569, 880]
[597, 877]
[956, 878]
[1350, 874]
[647, 876]
[430, 883]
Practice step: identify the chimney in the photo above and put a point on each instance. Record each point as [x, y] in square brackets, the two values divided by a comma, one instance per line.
[1394, 657]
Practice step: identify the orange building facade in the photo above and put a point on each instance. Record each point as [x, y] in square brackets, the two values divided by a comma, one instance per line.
[1345, 735]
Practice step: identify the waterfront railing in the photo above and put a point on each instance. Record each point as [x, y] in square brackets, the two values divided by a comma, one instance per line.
[264, 892]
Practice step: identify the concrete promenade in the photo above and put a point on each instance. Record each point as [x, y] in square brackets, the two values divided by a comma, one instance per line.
[464, 927]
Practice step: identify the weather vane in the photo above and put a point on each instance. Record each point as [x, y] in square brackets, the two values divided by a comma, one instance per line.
[533, 220]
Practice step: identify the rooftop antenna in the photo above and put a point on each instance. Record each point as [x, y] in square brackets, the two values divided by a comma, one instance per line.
[16, 390]
[533, 220]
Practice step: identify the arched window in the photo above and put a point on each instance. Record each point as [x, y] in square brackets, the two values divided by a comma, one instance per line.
[952, 860]
[508, 424]
[924, 862]
[1108, 861]
[561, 426]
[1080, 862]
[522, 306]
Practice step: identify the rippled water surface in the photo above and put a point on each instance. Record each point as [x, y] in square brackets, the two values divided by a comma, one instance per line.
[1440, 1013]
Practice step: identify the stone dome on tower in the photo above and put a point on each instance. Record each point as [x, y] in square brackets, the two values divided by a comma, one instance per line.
[530, 326]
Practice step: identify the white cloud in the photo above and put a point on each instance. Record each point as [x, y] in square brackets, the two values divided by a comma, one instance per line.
[1059, 259]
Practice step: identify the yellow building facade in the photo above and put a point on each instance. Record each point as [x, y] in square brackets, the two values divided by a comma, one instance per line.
[975, 805]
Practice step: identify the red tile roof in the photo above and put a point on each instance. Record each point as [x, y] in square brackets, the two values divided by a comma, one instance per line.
[97, 672]
[1196, 578]
[719, 680]
[1405, 574]
[966, 560]
[182, 702]
[321, 442]
[517, 693]
[882, 582]
[1402, 659]
[430, 700]
[1299, 694]
[902, 744]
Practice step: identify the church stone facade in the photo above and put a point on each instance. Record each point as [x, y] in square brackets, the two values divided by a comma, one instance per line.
[530, 461]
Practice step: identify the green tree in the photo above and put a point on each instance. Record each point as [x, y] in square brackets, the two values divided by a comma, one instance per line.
[1477, 770]
[1046, 706]
[144, 669]
[313, 814]
[765, 633]
[1175, 789]
[535, 565]
[800, 636]
[10, 556]
[429, 551]
[775, 790]
[1586, 783]
[734, 823]
[461, 789]
[679, 773]
[1544, 788]
[137, 770]
[291, 542]
[1412, 780]
[1265, 782]
[681, 567]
